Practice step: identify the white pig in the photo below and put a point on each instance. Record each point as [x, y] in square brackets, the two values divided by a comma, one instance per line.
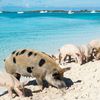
[86, 51]
[10, 82]
[70, 50]
[95, 44]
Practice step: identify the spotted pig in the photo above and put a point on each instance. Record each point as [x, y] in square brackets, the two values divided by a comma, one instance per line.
[36, 64]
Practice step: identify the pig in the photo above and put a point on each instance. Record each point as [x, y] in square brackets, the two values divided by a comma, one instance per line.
[11, 83]
[70, 50]
[32, 63]
[97, 55]
[95, 44]
[86, 52]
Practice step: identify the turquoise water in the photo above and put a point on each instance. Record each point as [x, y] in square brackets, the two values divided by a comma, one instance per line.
[45, 32]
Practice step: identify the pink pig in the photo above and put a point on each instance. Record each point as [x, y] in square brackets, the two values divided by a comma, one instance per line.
[11, 83]
[70, 50]
[95, 44]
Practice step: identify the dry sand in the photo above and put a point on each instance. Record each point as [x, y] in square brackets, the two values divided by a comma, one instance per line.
[83, 82]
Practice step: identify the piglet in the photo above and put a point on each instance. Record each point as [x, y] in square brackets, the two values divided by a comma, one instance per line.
[11, 83]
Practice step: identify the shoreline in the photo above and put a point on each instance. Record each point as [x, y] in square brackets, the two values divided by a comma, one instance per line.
[51, 11]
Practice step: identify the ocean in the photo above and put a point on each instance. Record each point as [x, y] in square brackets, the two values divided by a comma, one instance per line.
[45, 32]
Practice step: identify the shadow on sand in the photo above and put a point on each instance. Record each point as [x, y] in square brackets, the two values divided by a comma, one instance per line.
[28, 92]
[67, 81]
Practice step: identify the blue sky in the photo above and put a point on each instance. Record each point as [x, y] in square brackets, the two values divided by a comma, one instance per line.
[49, 3]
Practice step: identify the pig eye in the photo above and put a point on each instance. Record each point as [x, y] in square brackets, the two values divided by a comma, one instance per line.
[56, 75]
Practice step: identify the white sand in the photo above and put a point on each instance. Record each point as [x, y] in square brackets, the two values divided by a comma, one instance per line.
[87, 89]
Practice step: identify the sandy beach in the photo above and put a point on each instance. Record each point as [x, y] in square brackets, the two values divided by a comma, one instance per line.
[83, 83]
[34, 34]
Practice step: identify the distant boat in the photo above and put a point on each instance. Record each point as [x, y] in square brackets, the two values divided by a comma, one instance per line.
[1, 12]
[46, 11]
[93, 11]
[20, 12]
[43, 11]
[70, 12]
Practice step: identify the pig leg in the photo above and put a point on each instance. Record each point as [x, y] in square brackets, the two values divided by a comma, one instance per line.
[70, 58]
[94, 53]
[75, 58]
[78, 59]
[66, 58]
[63, 59]
[40, 83]
[19, 92]
[10, 93]
[98, 56]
